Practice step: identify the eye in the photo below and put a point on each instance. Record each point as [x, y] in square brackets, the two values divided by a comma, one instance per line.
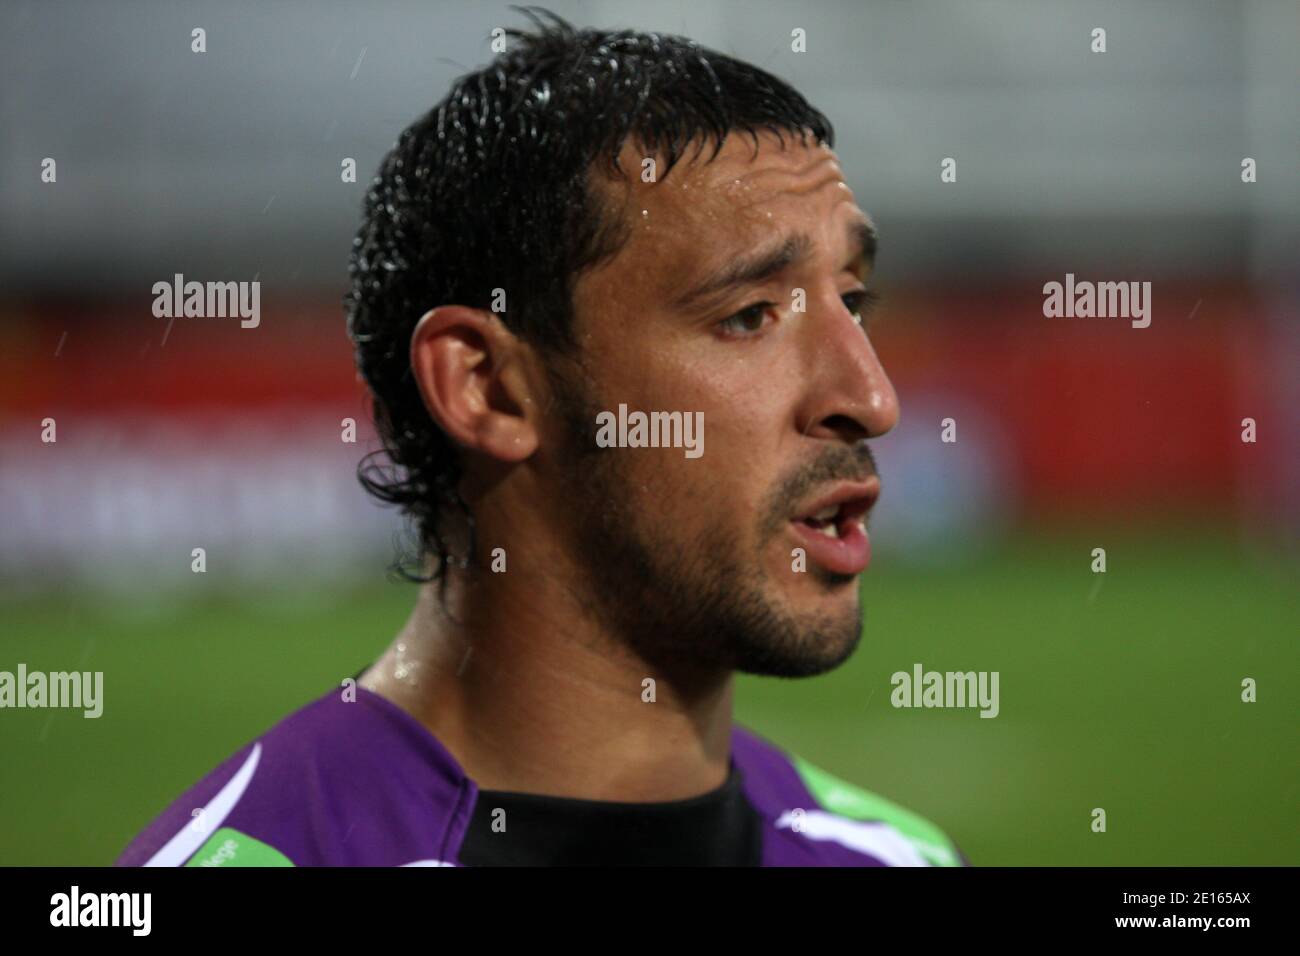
[747, 321]
[861, 303]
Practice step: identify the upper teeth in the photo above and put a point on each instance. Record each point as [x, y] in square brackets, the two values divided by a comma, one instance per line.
[827, 513]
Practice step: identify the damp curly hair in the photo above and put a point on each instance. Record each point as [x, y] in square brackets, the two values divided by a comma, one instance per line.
[494, 188]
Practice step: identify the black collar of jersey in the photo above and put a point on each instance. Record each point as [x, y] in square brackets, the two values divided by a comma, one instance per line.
[718, 828]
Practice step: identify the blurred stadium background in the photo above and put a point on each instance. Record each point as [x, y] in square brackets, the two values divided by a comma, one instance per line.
[1118, 691]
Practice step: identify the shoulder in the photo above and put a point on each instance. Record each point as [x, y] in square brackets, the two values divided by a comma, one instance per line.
[342, 781]
[818, 818]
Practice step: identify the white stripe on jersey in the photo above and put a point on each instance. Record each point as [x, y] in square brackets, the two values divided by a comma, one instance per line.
[184, 844]
[878, 839]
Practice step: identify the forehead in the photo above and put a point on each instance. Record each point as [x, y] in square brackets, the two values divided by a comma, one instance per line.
[740, 178]
[708, 209]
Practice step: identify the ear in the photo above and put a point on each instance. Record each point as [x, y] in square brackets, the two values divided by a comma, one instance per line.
[469, 369]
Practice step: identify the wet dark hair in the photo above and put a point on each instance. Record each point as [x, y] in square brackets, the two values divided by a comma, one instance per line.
[493, 189]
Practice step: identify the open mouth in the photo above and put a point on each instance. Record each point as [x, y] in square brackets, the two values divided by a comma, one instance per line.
[839, 520]
[833, 529]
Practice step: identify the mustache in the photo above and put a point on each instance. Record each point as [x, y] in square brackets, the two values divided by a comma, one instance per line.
[852, 463]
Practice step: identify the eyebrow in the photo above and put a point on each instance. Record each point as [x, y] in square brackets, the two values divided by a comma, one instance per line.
[762, 265]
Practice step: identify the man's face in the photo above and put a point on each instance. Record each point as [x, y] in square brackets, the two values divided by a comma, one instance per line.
[746, 557]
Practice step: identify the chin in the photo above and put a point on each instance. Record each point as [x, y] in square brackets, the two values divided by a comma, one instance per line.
[806, 661]
[815, 640]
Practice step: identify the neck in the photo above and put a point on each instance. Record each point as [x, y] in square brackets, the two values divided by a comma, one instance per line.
[527, 689]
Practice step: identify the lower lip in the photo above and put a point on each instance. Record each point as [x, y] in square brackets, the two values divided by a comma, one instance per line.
[848, 554]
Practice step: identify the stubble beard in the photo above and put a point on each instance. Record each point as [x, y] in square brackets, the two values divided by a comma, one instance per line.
[693, 605]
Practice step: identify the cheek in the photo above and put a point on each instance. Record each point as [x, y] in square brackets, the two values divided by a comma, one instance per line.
[747, 411]
[744, 402]
[718, 496]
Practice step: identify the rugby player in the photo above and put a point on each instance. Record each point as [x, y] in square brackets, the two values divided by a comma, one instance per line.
[596, 219]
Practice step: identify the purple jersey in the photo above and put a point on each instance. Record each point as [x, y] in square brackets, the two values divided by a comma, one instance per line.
[362, 783]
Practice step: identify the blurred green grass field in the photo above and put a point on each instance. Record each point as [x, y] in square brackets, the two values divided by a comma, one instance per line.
[1119, 691]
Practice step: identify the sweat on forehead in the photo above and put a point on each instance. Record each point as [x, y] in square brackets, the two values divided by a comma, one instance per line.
[738, 188]
[740, 162]
[740, 197]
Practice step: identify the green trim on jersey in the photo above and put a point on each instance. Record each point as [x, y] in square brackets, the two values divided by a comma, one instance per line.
[229, 847]
[847, 800]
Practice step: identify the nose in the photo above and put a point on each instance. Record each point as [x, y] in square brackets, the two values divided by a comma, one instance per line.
[849, 395]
